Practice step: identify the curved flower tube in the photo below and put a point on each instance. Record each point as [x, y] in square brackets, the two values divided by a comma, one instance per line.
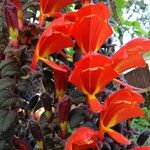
[90, 75]
[50, 8]
[82, 138]
[91, 27]
[60, 81]
[131, 55]
[120, 106]
[53, 39]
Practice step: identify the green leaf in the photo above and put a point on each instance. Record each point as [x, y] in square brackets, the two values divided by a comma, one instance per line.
[8, 118]
[9, 102]
[120, 4]
[5, 83]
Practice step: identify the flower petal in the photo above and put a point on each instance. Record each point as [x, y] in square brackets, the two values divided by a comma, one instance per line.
[95, 105]
[53, 64]
[82, 75]
[130, 55]
[52, 40]
[91, 28]
[118, 137]
[118, 112]
[49, 8]
[125, 95]
[87, 138]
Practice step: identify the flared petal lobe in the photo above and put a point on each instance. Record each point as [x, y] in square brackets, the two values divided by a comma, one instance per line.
[50, 8]
[53, 39]
[91, 28]
[90, 75]
[82, 138]
[131, 55]
[120, 106]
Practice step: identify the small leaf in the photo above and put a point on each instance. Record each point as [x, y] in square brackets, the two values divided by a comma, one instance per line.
[6, 62]
[8, 102]
[9, 70]
[77, 116]
[4, 95]
[32, 103]
[8, 118]
[4, 145]
[6, 83]
[143, 137]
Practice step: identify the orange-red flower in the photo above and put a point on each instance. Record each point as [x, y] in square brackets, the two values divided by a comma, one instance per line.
[91, 27]
[120, 106]
[131, 55]
[90, 75]
[49, 8]
[53, 39]
[60, 81]
[82, 138]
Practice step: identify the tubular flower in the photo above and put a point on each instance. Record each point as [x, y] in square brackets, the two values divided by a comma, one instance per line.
[49, 8]
[90, 75]
[82, 138]
[120, 106]
[19, 13]
[54, 38]
[91, 28]
[60, 81]
[130, 55]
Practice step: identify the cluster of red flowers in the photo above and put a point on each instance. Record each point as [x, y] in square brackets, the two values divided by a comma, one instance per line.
[90, 28]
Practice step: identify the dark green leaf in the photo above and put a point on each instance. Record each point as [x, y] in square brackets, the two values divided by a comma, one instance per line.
[8, 118]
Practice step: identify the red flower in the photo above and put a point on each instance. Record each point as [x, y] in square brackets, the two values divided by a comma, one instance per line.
[50, 8]
[91, 28]
[82, 138]
[130, 55]
[52, 40]
[90, 75]
[60, 81]
[120, 106]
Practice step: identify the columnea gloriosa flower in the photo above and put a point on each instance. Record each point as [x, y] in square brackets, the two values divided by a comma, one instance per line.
[51, 8]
